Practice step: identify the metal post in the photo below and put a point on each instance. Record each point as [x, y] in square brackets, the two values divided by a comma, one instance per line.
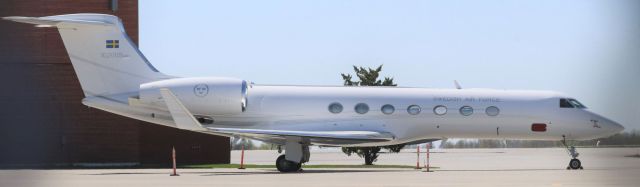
[242, 158]
[173, 156]
[428, 147]
[418, 159]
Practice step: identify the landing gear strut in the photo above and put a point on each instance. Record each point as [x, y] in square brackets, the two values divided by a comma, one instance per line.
[574, 163]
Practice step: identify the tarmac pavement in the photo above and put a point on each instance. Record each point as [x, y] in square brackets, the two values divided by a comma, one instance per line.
[458, 167]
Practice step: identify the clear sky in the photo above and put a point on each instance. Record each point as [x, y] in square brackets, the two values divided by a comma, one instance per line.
[589, 49]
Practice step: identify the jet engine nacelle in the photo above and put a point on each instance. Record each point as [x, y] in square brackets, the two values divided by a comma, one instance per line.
[202, 96]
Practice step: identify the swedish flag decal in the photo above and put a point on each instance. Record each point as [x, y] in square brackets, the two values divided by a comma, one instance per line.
[113, 44]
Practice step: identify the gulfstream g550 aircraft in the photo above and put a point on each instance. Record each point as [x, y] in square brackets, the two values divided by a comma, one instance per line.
[117, 78]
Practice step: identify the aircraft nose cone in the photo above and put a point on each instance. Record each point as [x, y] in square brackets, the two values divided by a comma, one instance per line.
[613, 126]
[605, 126]
[617, 127]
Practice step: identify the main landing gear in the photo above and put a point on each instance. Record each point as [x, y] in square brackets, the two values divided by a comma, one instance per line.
[296, 153]
[574, 163]
[284, 165]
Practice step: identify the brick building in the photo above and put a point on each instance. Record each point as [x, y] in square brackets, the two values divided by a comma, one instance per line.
[43, 123]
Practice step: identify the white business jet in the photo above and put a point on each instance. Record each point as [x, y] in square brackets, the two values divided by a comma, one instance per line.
[117, 78]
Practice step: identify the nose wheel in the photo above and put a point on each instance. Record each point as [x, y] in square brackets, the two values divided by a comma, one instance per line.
[574, 163]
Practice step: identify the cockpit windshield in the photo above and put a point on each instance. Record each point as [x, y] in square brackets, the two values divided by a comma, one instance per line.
[570, 103]
[576, 103]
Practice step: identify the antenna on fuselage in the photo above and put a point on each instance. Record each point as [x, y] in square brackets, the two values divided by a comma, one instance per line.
[457, 84]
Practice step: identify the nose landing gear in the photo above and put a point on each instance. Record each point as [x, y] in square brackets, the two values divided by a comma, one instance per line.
[574, 163]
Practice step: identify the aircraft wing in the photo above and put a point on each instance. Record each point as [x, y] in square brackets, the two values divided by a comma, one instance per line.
[314, 137]
[183, 119]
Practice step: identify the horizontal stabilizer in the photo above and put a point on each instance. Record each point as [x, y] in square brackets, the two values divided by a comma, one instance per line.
[54, 20]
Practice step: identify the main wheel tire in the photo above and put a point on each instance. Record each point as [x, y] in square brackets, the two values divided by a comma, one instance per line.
[298, 167]
[284, 165]
[575, 164]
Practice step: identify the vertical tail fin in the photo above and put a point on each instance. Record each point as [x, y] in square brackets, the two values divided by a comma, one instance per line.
[104, 58]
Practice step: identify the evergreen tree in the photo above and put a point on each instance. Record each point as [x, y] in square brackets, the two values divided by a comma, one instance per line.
[368, 77]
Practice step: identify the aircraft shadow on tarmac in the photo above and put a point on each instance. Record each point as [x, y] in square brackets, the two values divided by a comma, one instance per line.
[261, 172]
[275, 172]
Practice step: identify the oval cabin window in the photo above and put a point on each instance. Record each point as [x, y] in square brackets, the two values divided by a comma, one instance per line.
[387, 109]
[492, 111]
[362, 108]
[440, 110]
[466, 110]
[414, 109]
[335, 108]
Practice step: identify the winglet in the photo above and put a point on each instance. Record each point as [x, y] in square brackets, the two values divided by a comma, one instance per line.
[457, 84]
[181, 116]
